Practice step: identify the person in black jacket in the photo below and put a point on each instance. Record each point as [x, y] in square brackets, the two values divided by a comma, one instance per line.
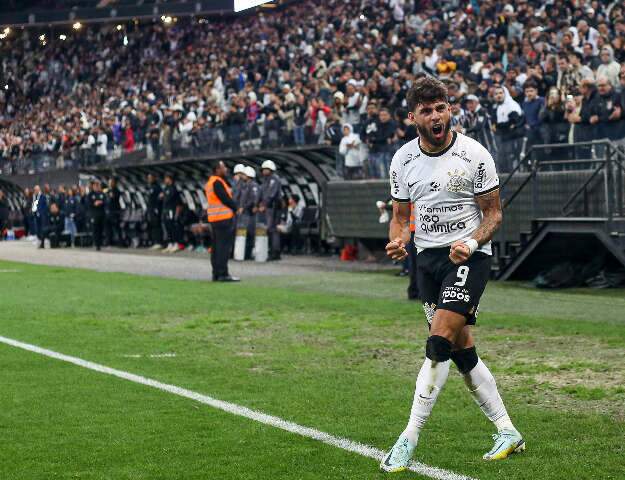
[379, 136]
[333, 136]
[154, 212]
[113, 214]
[607, 113]
[96, 202]
[54, 227]
[171, 203]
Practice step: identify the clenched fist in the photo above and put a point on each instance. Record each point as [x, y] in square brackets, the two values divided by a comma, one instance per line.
[396, 249]
[459, 252]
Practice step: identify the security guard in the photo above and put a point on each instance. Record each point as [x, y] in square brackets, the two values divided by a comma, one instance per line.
[220, 211]
[271, 205]
[96, 201]
[154, 212]
[248, 209]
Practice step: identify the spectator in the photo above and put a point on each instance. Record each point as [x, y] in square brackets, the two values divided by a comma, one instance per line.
[380, 135]
[607, 113]
[508, 129]
[478, 124]
[101, 145]
[350, 149]
[532, 106]
[556, 129]
[608, 68]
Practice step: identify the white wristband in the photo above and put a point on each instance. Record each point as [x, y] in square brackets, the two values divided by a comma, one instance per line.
[472, 244]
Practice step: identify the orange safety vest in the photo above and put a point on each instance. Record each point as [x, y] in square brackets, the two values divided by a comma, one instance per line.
[413, 225]
[216, 210]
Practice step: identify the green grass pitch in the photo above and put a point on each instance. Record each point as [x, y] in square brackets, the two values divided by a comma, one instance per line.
[338, 352]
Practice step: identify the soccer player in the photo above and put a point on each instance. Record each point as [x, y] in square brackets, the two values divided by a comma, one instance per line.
[452, 183]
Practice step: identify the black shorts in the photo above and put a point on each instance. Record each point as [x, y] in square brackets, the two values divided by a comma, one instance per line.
[446, 286]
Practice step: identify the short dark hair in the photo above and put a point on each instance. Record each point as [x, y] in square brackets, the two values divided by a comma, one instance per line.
[426, 90]
[530, 83]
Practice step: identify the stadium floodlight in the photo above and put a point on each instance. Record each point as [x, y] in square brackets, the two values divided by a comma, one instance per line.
[77, 26]
[240, 5]
[62, 37]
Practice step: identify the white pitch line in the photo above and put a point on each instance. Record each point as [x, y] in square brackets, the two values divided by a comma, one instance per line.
[343, 443]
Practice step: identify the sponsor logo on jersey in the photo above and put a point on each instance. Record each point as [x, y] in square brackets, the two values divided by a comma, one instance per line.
[435, 187]
[479, 178]
[395, 182]
[457, 181]
[455, 294]
[432, 225]
[444, 209]
[462, 155]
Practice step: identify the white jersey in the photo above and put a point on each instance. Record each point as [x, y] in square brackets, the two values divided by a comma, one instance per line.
[442, 188]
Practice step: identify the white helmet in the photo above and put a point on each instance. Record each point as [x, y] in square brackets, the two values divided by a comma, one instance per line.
[250, 172]
[269, 165]
[239, 168]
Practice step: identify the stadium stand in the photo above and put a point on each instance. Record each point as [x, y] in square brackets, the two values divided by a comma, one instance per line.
[293, 76]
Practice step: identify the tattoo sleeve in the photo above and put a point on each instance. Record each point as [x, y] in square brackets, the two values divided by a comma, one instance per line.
[490, 205]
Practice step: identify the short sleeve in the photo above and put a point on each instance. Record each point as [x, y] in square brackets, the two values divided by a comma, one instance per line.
[486, 178]
[399, 191]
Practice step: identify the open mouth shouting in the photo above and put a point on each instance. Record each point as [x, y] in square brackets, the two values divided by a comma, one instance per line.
[438, 131]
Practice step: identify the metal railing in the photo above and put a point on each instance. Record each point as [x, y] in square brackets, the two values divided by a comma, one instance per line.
[606, 162]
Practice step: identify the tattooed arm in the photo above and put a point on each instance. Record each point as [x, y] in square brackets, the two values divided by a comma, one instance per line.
[490, 205]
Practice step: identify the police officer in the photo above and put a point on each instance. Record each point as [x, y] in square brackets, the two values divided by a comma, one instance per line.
[220, 212]
[238, 182]
[271, 205]
[171, 201]
[154, 212]
[113, 213]
[96, 202]
[248, 209]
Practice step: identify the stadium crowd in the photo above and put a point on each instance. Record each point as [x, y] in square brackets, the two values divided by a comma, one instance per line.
[336, 72]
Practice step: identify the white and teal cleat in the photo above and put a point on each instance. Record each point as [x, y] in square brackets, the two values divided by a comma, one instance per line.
[507, 442]
[397, 459]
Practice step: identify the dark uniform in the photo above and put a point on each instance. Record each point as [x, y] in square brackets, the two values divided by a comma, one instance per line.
[249, 201]
[271, 199]
[53, 230]
[113, 216]
[154, 214]
[96, 213]
[171, 200]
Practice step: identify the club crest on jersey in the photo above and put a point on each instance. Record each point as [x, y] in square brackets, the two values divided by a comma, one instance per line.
[456, 182]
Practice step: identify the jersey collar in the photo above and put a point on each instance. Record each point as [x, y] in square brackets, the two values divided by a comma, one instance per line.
[442, 152]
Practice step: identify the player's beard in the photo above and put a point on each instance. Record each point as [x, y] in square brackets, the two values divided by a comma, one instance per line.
[427, 134]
